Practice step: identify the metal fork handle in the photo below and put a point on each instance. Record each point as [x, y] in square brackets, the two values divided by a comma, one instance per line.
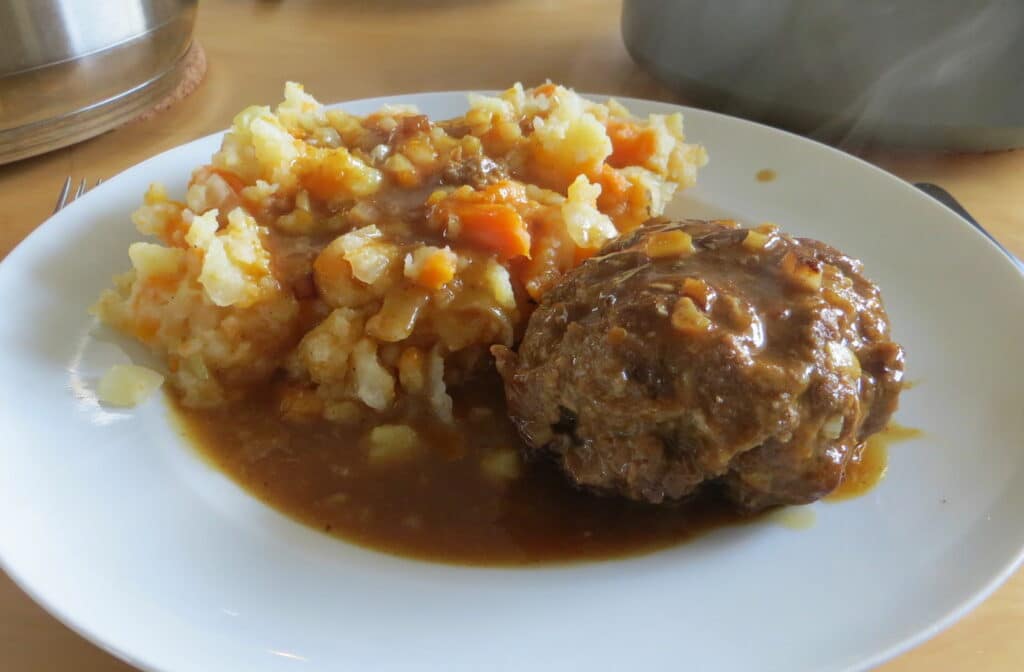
[62, 200]
[947, 199]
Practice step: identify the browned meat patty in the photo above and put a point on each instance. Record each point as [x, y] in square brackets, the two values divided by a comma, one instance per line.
[692, 352]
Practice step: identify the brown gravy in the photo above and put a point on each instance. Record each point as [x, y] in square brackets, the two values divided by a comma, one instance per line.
[440, 505]
[868, 468]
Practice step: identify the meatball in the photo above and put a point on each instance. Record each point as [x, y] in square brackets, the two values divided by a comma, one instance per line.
[691, 354]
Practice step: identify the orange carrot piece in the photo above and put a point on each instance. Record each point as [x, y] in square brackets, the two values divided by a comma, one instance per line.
[497, 228]
[502, 192]
[437, 270]
[631, 146]
[614, 195]
[545, 89]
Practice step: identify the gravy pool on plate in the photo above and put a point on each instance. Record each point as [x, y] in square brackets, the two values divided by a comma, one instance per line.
[459, 495]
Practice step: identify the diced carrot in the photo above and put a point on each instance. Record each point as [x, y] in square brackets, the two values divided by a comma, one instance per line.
[494, 227]
[631, 146]
[614, 196]
[552, 254]
[503, 191]
[545, 89]
[437, 270]
[627, 203]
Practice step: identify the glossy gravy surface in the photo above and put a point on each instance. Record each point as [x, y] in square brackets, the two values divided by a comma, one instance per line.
[441, 504]
[867, 469]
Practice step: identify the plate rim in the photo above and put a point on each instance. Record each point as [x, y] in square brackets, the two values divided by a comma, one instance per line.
[936, 626]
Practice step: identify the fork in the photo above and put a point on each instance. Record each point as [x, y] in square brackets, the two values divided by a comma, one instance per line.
[63, 200]
[947, 199]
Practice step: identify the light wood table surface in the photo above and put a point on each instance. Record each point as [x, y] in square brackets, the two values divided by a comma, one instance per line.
[345, 49]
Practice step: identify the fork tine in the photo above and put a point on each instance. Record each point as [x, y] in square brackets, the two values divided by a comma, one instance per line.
[99, 181]
[65, 193]
[62, 200]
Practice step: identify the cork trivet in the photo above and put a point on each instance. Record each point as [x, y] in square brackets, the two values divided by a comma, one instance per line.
[192, 73]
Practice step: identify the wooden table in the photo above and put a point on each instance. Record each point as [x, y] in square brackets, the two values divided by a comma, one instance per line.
[351, 49]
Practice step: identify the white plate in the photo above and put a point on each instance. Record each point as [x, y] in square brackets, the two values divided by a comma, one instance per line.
[116, 526]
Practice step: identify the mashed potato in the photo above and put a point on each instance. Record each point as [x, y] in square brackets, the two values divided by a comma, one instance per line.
[361, 263]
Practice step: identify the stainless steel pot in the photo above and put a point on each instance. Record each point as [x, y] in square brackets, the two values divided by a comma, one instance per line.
[928, 73]
[72, 69]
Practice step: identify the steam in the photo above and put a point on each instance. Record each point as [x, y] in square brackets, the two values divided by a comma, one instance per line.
[940, 92]
[912, 72]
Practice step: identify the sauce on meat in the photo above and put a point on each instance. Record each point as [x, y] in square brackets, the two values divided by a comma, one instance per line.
[440, 504]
